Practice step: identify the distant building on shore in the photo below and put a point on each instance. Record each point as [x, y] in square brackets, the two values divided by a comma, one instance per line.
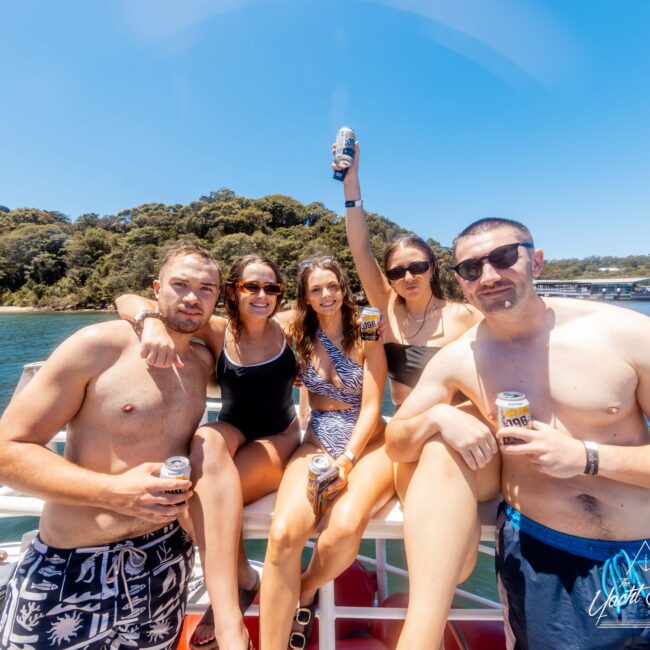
[609, 289]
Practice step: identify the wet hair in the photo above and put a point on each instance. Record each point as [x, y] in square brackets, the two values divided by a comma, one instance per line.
[182, 248]
[235, 274]
[305, 323]
[404, 241]
[489, 224]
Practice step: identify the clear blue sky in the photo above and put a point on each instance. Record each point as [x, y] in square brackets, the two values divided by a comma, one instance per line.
[526, 109]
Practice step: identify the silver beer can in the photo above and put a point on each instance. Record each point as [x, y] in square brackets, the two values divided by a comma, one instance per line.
[513, 410]
[177, 467]
[344, 151]
[320, 474]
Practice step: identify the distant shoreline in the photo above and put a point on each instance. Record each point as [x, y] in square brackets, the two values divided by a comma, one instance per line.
[45, 310]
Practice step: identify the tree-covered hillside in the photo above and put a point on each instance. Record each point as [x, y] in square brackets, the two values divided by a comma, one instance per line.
[48, 261]
[598, 267]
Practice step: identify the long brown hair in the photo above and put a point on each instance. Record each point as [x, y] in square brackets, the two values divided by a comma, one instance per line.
[402, 241]
[305, 323]
[235, 274]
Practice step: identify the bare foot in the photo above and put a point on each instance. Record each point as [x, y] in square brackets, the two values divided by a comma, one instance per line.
[203, 635]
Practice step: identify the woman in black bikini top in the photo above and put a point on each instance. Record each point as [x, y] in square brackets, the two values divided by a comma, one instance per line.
[419, 321]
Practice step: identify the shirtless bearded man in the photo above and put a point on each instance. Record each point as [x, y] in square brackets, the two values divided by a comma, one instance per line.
[110, 564]
[577, 491]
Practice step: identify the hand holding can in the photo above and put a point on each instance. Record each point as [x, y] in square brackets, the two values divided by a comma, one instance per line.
[320, 475]
[343, 152]
[177, 467]
[370, 319]
[513, 411]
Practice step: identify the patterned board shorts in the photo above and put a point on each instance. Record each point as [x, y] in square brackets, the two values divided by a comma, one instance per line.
[128, 594]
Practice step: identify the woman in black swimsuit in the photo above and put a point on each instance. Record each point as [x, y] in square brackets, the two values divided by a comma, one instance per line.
[257, 425]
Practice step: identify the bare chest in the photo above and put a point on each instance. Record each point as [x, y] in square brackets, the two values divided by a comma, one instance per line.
[131, 405]
[569, 383]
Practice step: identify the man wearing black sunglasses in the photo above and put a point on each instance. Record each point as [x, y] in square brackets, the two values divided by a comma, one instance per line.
[576, 513]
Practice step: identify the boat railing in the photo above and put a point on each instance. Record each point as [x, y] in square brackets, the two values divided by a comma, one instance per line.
[387, 524]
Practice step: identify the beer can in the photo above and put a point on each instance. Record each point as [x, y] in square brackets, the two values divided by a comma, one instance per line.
[513, 410]
[320, 474]
[370, 324]
[344, 151]
[177, 467]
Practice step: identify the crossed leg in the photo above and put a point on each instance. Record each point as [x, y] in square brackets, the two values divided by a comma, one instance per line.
[441, 534]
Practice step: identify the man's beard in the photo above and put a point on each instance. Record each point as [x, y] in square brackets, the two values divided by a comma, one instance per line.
[184, 326]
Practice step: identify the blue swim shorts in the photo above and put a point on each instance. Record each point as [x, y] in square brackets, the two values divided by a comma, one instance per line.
[128, 594]
[562, 592]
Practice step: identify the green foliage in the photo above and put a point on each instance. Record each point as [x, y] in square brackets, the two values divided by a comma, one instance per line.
[47, 261]
[594, 267]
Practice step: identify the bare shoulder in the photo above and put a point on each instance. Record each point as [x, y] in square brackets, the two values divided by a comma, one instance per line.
[465, 314]
[89, 350]
[101, 338]
[213, 333]
[596, 314]
[285, 318]
[597, 323]
[204, 355]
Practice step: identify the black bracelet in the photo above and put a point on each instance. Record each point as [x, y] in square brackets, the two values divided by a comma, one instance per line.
[591, 448]
[354, 204]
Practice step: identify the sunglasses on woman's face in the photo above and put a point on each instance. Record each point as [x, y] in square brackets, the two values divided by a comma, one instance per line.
[414, 268]
[320, 260]
[270, 288]
[502, 257]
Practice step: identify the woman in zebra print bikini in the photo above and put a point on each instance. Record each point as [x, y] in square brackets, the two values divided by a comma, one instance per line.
[345, 378]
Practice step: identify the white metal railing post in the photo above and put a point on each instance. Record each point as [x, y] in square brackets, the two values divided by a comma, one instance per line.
[326, 617]
[382, 574]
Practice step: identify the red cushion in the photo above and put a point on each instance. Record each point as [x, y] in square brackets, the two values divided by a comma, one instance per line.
[355, 644]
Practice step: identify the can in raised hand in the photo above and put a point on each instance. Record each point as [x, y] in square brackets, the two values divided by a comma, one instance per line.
[343, 152]
[370, 324]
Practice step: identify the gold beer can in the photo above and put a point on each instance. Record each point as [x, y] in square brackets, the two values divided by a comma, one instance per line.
[513, 410]
[320, 474]
[370, 323]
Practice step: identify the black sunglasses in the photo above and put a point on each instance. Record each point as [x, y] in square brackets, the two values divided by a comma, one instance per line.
[270, 288]
[502, 257]
[414, 268]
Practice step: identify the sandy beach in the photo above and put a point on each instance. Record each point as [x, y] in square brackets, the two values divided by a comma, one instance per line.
[17, 310]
